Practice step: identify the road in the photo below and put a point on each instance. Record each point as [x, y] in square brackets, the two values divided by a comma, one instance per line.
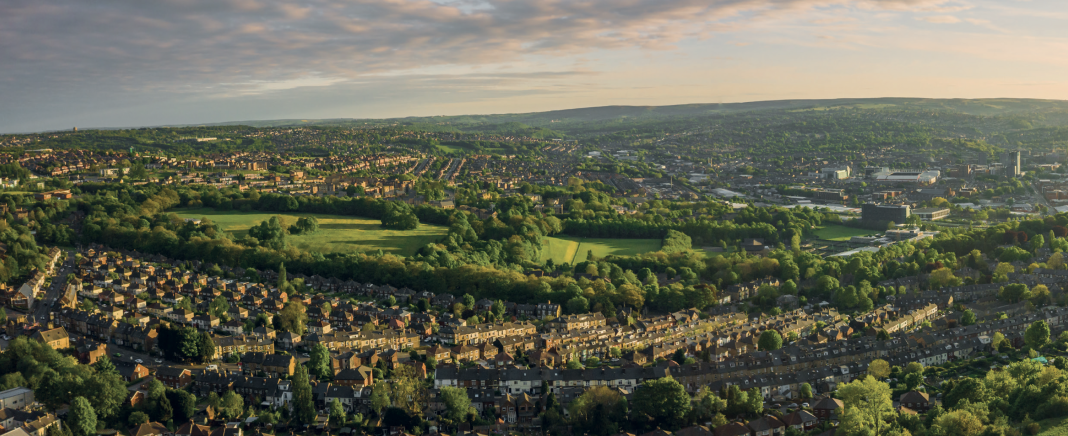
[42, 312]
[1042, 200]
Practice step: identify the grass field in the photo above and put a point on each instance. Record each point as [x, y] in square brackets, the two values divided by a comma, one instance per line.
[1054, 427]
[337, 233]
[569, 249]
[836, 232]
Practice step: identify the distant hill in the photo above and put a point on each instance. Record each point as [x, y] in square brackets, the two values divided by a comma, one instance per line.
[522, 122]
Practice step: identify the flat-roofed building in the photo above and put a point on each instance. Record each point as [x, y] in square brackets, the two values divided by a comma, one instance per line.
[16, 398]
[931, 213]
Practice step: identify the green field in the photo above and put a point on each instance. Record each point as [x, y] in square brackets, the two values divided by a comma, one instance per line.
[836, 232]
[337, 233]
[570, 249]
[1054, 427]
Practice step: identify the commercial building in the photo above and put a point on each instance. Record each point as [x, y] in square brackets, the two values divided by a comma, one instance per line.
[918, 177]
[877, 213]
[1012, 163]
[16, 398]
[931, 213]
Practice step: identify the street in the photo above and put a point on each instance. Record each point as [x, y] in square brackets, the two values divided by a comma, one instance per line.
[59, 281]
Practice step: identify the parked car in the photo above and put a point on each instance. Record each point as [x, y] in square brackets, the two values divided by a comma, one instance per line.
[159, 360]
[213, 367]
[139, 361]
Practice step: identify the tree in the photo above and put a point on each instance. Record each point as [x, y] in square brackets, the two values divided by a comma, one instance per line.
[597, 410]
[498, 309]
[968, 318]
[456, 401]
[270, 233]
[205, 347]
[913, 380]
[399, 216]
[879, 369]
[305, 225]
[106, 391]
[380, 397]
[1055, 261]
[957, 423]
[183, 403]
[163, 410]
[1037, 335]
[806, 391]
[137, 418]
[319, 362]
[219, 307]
[82, 418]
[578, 305]
[770, 340]
[867, 404]
[1015, 292]
[941, 277]
[232, 404]
[292, 318]
[408, 390]
[303, 403]
[662, 400]
[104, 366]
[337, 413]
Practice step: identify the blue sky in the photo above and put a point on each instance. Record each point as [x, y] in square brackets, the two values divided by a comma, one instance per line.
[121, 63]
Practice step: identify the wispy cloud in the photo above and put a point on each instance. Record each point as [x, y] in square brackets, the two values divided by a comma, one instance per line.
[77, 55]
[940, 19]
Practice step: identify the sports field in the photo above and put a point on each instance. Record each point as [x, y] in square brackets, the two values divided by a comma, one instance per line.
[835, 232]
[337, 233]
[570, 249]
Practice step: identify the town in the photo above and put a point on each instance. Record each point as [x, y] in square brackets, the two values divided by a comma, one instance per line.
[384, 280]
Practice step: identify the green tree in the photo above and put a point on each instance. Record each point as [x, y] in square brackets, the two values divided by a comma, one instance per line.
[81, 418]
[914, 367]
[137, 418]
[292, 318]
[879, 369]
[662, 400]
[498, 309]
[104, 366]
[183, 403]
[1037, 335]
[205, 347]
[770, 340]
[233, 405]
[106, 392]
[913, 380]
[456, 401]
[806, 391]
[968, 318]
[1015, 292]
[319, 362]
[578, 305]
[380, 397]
[337, 413]
[303, 403]
[399, 216]
[219, 307]
[868, 404]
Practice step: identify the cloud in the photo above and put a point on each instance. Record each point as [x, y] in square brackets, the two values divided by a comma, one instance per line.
[87, 56]
[940, 19]
[171, 44]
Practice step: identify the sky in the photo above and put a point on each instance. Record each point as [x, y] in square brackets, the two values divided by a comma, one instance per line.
[129, 63]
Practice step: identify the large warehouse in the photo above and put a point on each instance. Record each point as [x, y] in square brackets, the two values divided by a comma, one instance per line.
[918, 177]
